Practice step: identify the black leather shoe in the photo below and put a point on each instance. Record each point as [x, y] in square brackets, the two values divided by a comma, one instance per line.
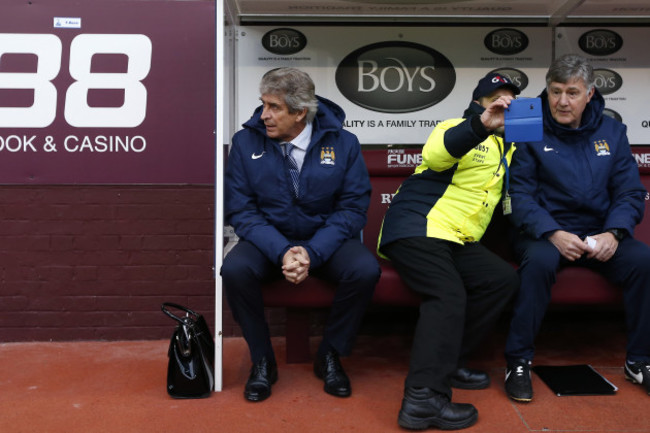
[329, 369]
[466, 378]
[263, 374]
[423, 408]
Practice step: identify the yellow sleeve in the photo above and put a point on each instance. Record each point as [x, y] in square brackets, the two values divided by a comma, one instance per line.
[434, 152]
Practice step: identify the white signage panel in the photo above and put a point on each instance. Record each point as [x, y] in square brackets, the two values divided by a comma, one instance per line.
[622, 69]
[394, 83]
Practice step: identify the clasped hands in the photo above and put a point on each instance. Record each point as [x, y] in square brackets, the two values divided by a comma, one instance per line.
[572, 247]
[295, 264]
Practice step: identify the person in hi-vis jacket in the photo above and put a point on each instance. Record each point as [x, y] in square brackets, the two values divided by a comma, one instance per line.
[431, 234]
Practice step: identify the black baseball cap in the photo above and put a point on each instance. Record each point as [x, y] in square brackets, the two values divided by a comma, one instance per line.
[490, 83]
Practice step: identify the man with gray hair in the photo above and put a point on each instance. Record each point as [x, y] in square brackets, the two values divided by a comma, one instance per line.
[296, 192]
[576, 198]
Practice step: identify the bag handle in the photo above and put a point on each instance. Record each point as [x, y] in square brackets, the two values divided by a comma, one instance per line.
[165, 309]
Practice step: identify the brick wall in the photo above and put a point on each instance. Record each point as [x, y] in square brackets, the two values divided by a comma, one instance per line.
[95, 262]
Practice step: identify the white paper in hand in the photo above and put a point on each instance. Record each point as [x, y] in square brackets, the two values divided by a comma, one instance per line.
[591, 242]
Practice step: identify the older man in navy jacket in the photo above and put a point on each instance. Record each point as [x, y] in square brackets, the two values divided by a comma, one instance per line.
[296, 192]
[576, 198]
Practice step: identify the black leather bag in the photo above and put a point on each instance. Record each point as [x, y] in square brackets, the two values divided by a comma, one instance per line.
[190, 372]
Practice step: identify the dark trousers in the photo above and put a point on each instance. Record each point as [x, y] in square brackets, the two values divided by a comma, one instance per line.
[464, 289]
[629, 268]
[353, 268]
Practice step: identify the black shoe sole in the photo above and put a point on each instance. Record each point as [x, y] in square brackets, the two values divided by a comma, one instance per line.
[521, 399]
[255, 398]
[412, 423]
[336, 393]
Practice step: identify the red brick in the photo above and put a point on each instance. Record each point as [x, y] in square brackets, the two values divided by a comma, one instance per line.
[13, 303]
[88, 262]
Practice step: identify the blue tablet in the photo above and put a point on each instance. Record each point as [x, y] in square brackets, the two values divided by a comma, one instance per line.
[523, 120]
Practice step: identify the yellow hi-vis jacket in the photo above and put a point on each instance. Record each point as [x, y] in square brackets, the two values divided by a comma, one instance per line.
[455, 190]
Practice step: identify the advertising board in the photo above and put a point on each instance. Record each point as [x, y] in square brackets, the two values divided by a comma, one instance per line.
[394, 83]
[95, 91]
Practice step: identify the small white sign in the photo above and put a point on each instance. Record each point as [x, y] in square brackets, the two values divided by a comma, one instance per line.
[67, 23]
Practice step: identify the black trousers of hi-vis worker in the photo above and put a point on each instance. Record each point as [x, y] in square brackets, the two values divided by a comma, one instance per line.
[353, 268]
[464, 290]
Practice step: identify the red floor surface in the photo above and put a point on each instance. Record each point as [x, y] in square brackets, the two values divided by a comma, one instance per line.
[120, 387]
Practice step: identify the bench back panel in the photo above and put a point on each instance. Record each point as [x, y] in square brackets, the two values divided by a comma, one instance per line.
[389, 167]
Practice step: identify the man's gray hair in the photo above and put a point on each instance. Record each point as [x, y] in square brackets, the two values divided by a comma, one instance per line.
[569, 67]
[295, 85]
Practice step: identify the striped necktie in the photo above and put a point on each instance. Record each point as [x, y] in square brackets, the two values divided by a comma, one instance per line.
[292, 166]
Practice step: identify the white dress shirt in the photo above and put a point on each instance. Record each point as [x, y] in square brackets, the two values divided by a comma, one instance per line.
[300, 144]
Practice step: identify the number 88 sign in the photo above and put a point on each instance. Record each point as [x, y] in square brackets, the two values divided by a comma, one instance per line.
[47, 48]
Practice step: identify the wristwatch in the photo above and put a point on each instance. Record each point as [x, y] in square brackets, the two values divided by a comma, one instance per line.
[619, 234]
